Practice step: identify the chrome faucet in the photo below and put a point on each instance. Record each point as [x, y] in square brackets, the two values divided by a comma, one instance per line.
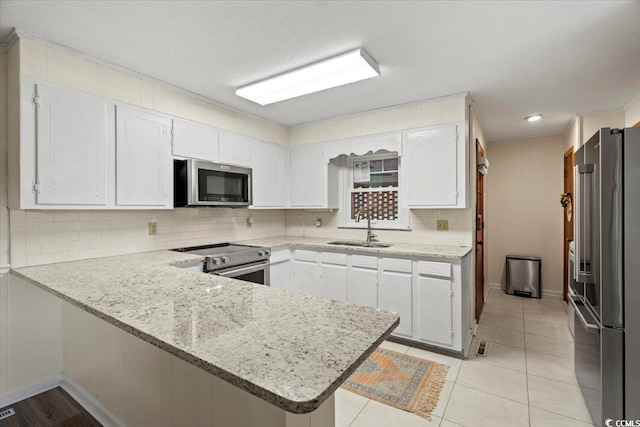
[370, 236]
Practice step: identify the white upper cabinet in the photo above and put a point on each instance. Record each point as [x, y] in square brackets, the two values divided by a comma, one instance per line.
[313, 183]
[434, 165]
[143, 158]
[195, 140]
[235, 149]
[72, 147]
[269, 175]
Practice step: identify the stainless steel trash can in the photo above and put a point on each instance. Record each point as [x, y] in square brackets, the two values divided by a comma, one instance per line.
[523, 276]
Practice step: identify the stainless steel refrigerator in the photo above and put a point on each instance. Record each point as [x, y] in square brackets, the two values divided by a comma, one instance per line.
[606, 292]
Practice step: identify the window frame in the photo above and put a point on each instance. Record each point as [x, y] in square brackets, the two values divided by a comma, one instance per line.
[402, 223]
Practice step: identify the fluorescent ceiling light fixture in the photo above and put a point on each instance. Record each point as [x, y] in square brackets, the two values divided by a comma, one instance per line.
[347, 67]
[533, 118]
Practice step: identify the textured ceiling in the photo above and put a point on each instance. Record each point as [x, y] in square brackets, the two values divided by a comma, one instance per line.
[558, 58]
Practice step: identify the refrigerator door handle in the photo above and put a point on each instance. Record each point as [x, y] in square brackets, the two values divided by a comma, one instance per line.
[592, 328]
[583, 226]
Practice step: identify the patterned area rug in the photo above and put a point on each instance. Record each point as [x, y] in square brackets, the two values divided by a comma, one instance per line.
[399, 380]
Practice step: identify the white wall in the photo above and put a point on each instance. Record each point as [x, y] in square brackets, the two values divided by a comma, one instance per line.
[524, 215]
[632, 112]
[423, 222]
[4, 213]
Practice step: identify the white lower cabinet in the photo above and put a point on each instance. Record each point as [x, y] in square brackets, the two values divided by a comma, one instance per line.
[280, 269]
[428, 295]
[394, 293]
[433, 304]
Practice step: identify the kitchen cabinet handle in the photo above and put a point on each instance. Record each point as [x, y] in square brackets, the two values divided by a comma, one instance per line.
[592, 328]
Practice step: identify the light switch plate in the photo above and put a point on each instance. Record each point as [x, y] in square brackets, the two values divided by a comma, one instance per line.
[442, 225]
[153, 228]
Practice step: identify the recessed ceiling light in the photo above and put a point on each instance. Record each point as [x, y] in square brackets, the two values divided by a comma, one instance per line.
[347, 67]
[533, 118]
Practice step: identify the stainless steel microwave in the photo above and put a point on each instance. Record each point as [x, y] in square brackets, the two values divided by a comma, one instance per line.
[200, 183]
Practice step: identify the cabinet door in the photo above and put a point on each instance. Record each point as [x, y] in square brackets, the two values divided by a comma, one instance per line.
[269, 174]
[280, 275]
[144, 175]
[433, 305]
[305, 277]
[235, 149]
[333, 281]
[71, 148]
[306, 176]
[394, 293]
[195, 140]
[362, 286]
[430, 159]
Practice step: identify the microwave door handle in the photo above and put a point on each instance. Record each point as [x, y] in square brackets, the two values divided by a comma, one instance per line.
[582, 233]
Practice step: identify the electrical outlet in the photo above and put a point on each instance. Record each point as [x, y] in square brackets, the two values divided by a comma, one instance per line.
[442, 225]
[153, 228]
[318, 222]
[249, 222]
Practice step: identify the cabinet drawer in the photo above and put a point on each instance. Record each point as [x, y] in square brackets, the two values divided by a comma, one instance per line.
[431, 268]
[364, 261]
[280, 255]
[302, 255]
[333, 258]
[393, 264]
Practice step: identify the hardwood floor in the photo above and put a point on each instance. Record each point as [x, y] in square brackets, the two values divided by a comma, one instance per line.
[53, 408]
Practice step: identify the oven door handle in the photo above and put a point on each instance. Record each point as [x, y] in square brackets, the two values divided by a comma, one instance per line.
[592, 328]
[234, 271]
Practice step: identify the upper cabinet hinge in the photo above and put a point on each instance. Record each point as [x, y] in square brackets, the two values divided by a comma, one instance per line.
[35, 186]
[452, 333]
[451, 293]
[173, 135]
[36, 100]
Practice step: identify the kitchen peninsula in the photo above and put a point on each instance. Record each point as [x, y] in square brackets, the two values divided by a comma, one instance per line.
[243, 344]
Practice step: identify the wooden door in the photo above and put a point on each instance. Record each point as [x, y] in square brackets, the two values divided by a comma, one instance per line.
[568, 218]
[479, 236]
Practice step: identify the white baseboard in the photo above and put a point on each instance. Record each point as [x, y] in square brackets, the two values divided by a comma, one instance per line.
[88, 402]
[13, 396]
[545, 292]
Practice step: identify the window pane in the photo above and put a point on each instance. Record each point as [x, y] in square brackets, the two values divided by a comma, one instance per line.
[385, 179]
[375, 165]
[391, 164]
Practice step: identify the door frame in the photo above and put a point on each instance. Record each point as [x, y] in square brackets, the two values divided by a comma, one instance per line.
[479, 236]
[568, 187]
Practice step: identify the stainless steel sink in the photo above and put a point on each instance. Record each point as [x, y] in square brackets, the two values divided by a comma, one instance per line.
[362, 244]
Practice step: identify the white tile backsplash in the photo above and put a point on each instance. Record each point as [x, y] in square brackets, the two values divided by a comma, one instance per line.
[423, 227]
[41, 237]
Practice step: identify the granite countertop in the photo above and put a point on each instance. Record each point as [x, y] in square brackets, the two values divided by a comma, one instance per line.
[397, 249]
[290, 349]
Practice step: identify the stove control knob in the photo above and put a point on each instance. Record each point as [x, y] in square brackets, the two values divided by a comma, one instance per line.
[216, 261]
[267, 252]
[225, 259]
[261, 253]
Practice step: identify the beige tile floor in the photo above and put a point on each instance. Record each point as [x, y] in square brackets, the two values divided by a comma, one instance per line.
[526, 379]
